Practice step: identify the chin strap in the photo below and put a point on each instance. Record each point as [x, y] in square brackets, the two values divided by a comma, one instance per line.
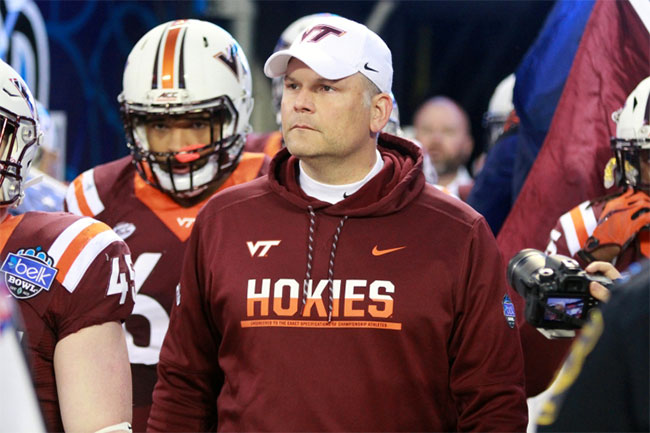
[121, 427]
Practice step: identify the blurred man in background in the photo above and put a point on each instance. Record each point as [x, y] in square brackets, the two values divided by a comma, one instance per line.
[443, 129]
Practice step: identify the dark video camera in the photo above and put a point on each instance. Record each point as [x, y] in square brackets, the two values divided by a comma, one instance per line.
[556, 291]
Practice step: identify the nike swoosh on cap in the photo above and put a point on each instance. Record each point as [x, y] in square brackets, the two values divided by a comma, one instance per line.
[377, 252]
[368, 68]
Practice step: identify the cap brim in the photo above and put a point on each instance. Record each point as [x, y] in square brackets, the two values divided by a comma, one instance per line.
[320, 62]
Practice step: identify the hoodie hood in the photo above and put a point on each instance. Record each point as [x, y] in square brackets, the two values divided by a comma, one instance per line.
[395, 186]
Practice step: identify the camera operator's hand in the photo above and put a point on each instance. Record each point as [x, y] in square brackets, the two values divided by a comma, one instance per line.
[597, 290]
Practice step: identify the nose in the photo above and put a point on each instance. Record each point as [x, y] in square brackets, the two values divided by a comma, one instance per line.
[303, 101]
[180, 139]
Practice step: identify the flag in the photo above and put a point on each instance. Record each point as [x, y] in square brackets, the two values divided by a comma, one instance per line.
[612, 57]
[540, 79]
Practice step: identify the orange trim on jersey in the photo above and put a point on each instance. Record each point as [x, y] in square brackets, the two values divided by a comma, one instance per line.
[74, 248]
[247, 170]
[168, 58]
[179, 220]
[273, 144]
[81, 198]
[579, 225]
[7, 228]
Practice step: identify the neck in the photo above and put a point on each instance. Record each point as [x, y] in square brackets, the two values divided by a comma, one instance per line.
[340, 171]
[445, 179]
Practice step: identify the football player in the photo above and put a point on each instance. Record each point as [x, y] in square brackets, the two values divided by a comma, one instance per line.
[186, 104]
[615, 228]
[73, 281]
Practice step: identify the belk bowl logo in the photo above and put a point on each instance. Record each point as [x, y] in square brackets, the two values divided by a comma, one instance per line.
[28, 272]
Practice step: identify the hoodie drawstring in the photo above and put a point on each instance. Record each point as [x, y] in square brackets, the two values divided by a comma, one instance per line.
[330, 269]
[310, 257]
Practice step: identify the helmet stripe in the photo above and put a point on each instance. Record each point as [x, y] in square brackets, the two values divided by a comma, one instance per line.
[169, 52]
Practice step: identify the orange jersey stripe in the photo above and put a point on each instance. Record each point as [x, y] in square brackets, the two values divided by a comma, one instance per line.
[248, 169]
[168, 58]
[273, 144]
[81, 198]
[7, 227]
[579, 225]
[76, 246]
[170, 212]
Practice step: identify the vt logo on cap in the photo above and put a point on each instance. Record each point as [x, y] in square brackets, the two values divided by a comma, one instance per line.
[335, 48]
[321, 31]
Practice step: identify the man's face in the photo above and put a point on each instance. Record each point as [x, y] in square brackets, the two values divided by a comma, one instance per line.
[174, 134]
[324, 119]
[443, 131]
[182, 133]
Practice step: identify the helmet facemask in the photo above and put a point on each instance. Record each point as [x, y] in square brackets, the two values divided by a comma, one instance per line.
[631, 146]
[193, 168]
[18, 144]
[632, 162]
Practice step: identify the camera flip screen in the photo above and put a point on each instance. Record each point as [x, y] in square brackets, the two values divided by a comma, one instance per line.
[573, 307]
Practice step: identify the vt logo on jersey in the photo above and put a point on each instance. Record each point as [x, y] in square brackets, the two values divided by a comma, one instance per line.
[185, 221]
[28, 272]
[261, 248]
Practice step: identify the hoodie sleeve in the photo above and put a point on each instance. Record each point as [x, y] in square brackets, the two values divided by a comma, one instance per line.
[487, 369]
[189, 378]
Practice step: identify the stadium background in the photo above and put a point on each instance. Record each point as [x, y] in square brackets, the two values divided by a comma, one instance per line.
[72, 54]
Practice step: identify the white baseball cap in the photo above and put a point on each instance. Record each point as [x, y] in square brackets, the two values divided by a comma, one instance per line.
[335, 47]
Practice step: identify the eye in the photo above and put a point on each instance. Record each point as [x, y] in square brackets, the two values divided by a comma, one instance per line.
[290, 86]
[327, 88]
[158, 126]
[200, 124]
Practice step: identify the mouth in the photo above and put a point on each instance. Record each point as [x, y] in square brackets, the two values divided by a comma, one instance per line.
[302, 126]
[181, 169]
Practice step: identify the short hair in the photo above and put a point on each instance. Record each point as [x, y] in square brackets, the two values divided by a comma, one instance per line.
[440, 99]
[370, 90]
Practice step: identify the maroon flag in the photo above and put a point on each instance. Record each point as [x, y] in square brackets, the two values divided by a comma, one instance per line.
[612, 58]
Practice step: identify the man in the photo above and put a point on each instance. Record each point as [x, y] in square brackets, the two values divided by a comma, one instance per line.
[73, 281]
[443, 128]
[341, 293]
[186, 104]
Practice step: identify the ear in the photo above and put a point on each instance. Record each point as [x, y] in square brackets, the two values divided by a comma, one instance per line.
[381, 105]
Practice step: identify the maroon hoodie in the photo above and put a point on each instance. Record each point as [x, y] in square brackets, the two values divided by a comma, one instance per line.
[387, 311]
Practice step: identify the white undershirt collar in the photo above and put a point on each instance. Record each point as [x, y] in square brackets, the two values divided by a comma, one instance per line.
[335, 193]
